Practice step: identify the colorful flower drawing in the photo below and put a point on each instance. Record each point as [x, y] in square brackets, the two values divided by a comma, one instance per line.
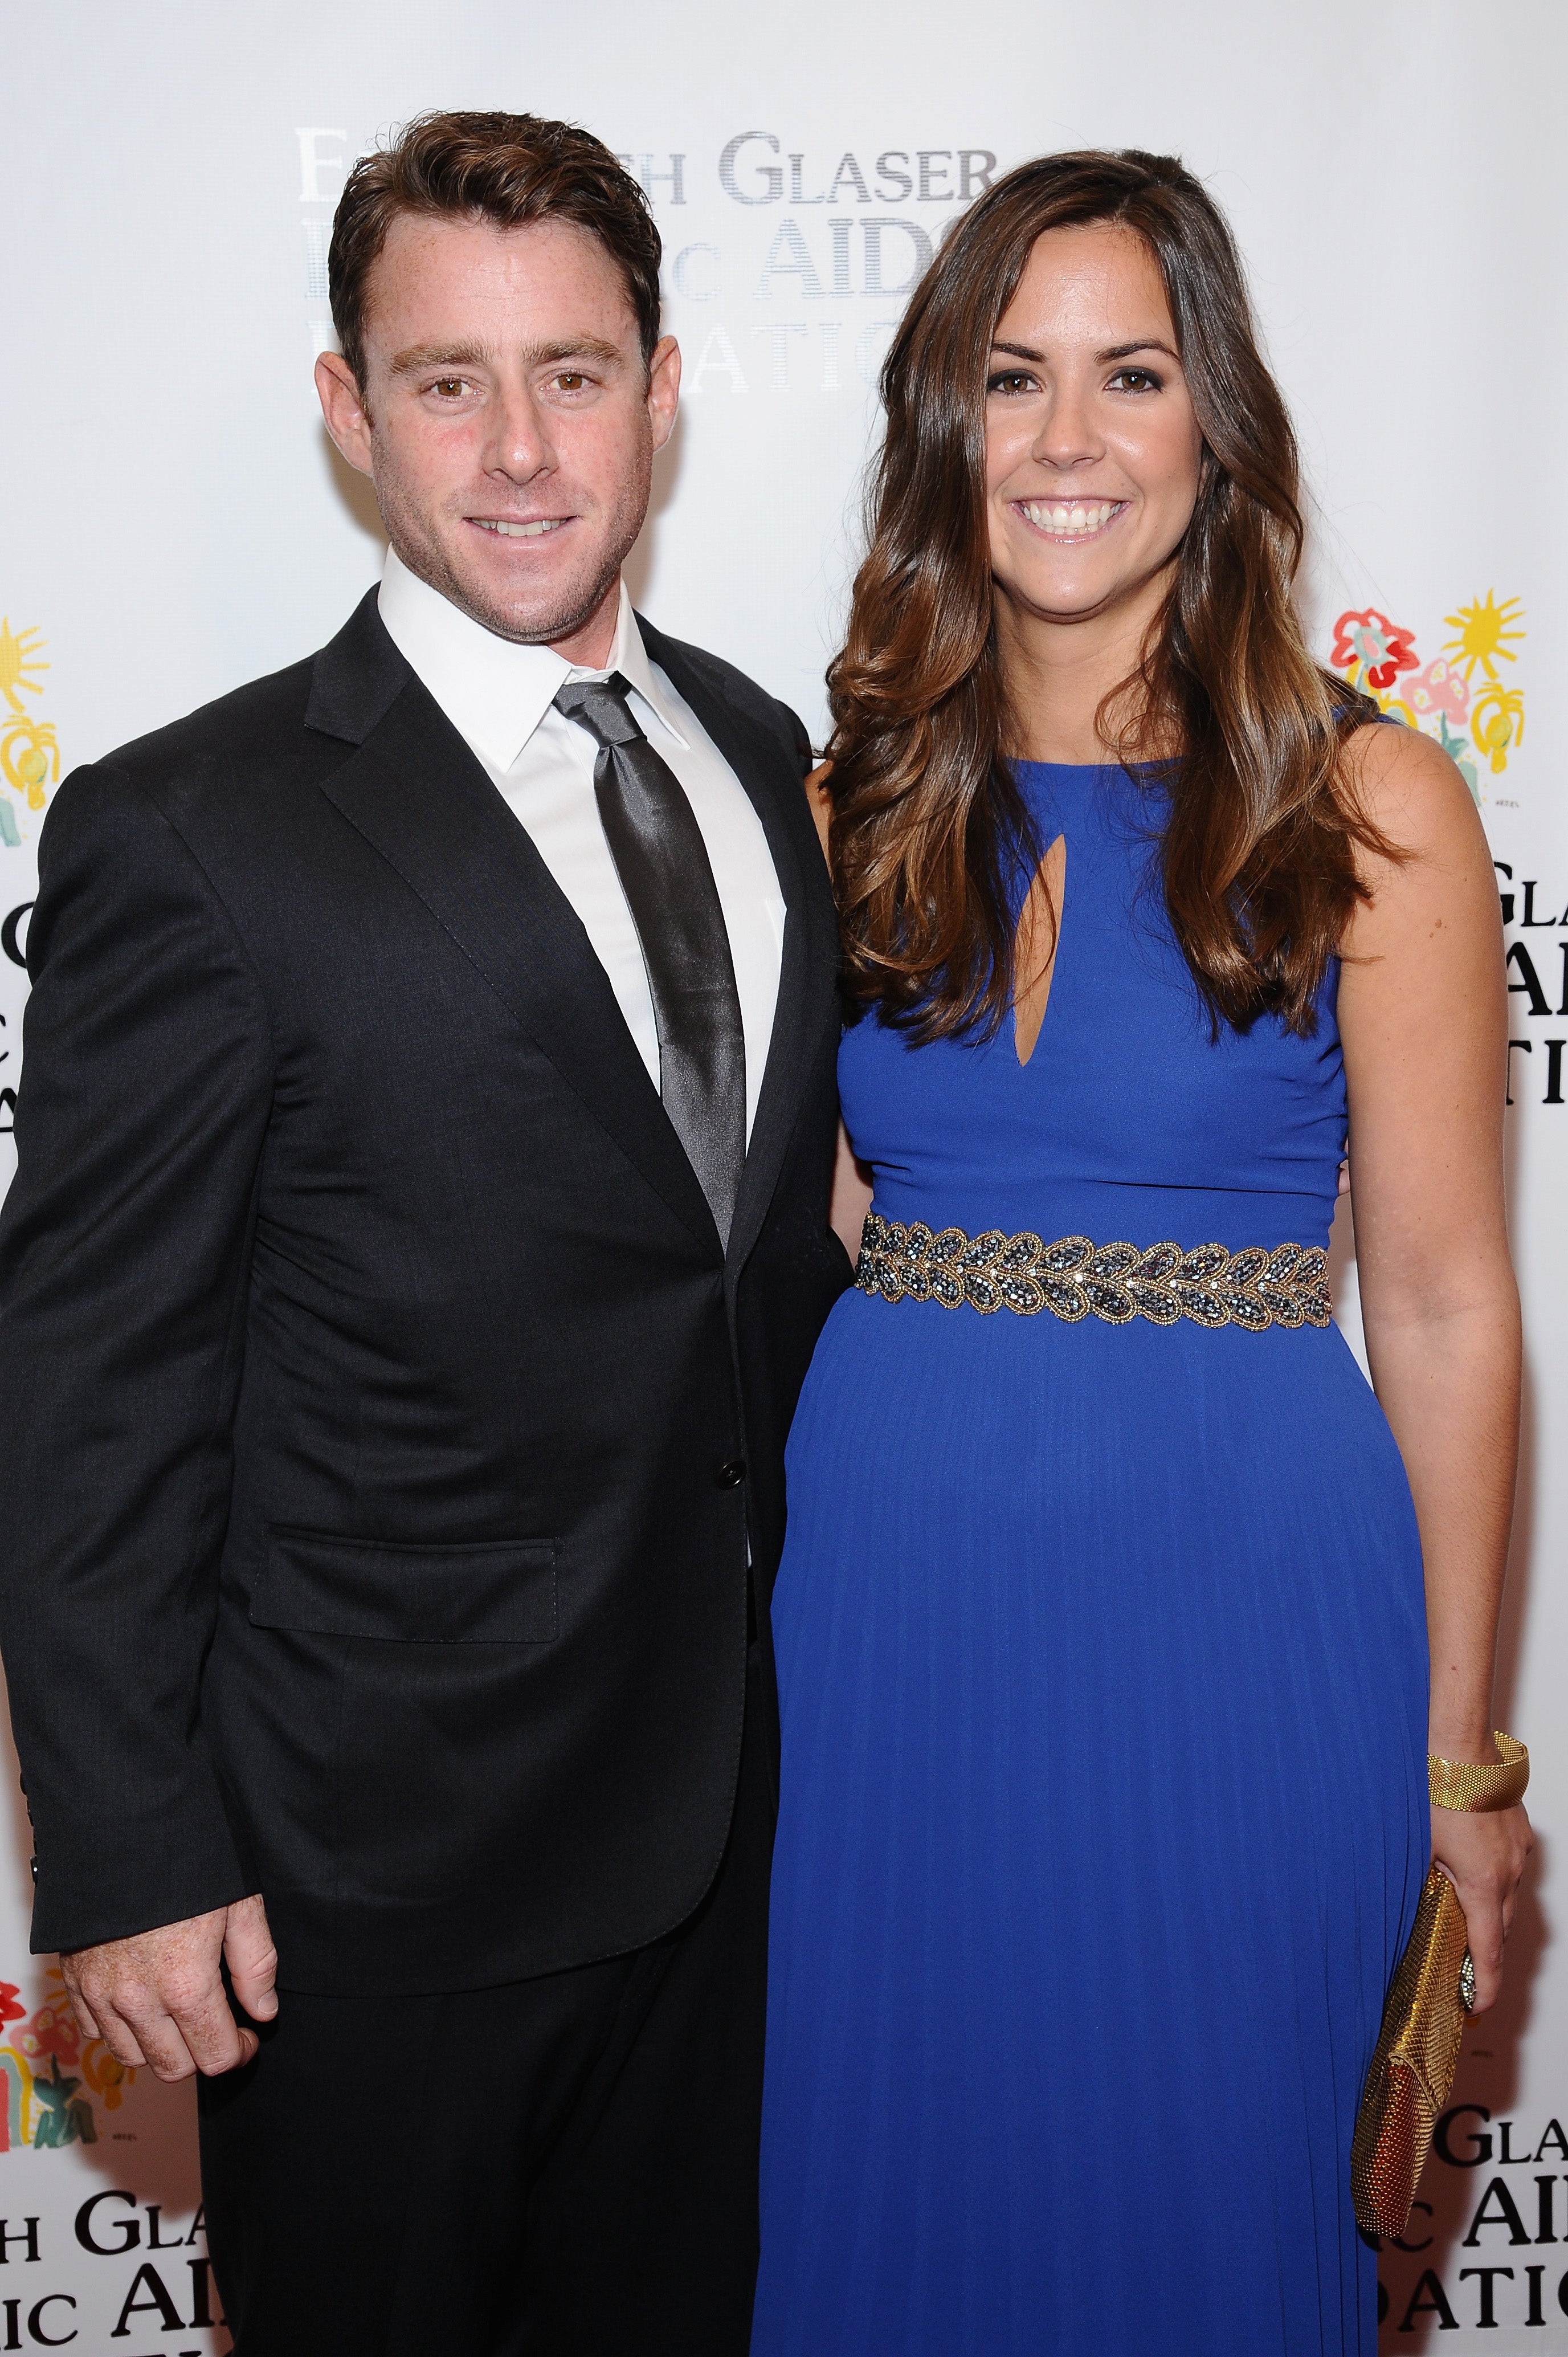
[1438, 687]
[64, 2115]
[29, 751]
[42, 2108]
[1498, 723]
[1457, 744]
[1476, 730]
[1374, 645]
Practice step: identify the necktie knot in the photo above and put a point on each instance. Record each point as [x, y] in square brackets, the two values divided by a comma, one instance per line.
[600, 706]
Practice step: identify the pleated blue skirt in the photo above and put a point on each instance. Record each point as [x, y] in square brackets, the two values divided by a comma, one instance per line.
[1102, 1668]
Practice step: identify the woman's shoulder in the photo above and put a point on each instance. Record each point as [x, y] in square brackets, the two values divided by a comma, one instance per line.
[1406, 787]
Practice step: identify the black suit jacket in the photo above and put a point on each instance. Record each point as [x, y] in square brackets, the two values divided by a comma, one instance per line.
[375, 1389]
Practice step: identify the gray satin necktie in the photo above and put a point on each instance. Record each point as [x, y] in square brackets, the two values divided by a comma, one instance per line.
[662, 861]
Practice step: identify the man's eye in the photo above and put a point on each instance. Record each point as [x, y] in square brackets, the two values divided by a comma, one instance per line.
[449, 387]
[1010, 381]
[571, 379]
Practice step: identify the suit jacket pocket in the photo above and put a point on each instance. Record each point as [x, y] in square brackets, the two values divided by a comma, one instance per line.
[499, 1592]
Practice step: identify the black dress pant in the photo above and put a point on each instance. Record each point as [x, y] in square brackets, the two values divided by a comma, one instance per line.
[563, 2167]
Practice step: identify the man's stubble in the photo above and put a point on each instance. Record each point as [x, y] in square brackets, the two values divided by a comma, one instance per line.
[423, 548]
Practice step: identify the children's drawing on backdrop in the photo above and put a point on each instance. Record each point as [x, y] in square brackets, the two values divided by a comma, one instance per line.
[29, 750]
[51, 2078]
[1459, 695]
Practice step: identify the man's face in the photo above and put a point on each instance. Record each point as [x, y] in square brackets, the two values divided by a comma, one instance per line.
[508, 421]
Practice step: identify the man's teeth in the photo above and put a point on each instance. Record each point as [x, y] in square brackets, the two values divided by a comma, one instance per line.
[521, 531]
[1060, 516]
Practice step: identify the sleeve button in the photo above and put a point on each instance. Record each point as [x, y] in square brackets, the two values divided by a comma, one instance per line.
[730, 1473]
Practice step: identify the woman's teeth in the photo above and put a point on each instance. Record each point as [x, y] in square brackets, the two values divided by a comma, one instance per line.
[1061, 516]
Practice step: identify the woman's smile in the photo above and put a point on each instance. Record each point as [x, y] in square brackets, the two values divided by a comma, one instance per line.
[1069, 520]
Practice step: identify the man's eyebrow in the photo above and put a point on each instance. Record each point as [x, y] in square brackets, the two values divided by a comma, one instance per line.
[1112, 351]
[423, 356]
[456, 356]
[584, 348]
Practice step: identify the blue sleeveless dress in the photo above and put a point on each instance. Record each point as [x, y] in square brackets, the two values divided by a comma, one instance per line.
[1103, 1665]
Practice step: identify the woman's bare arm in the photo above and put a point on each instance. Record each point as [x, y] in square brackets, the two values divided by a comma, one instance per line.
[850, 1198]
[1422, 1017]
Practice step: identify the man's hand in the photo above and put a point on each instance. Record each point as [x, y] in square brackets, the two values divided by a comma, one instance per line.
[158, 1999]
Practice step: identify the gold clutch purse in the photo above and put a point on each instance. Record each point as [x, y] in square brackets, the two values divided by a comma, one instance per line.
[1412, 2075]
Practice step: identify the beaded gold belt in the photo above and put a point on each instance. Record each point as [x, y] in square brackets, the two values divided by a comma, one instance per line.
[1253, 1288]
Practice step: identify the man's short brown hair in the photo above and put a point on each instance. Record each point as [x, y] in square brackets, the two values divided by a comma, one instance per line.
[507, 169]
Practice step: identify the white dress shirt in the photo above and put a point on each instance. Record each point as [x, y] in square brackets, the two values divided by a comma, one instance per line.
[500, 697]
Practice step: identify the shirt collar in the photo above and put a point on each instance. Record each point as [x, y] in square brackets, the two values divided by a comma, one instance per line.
[494, 692]
[630, 657]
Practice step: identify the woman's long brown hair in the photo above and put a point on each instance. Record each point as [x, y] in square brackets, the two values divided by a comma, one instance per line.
[1261, 827]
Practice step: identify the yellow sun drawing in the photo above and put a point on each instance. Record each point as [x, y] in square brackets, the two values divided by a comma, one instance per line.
[20, 655]
[1484, 629]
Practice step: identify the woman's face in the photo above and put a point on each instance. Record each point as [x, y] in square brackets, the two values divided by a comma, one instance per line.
[1091, 448]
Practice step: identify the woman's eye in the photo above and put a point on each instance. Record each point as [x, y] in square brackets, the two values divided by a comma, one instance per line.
[1010, 381]
[1137, 379]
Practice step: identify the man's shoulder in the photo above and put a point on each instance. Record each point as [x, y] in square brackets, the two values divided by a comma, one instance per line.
[715, 677]
[336, 693]
[240, 772]
[266, 715]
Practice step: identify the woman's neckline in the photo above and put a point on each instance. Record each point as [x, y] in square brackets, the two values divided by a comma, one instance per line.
[1090, 766]
[1096, 768]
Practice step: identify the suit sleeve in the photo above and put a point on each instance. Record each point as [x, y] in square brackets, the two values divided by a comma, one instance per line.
[141, 1118]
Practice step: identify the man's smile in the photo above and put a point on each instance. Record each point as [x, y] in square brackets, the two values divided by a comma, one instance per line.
[531, 529]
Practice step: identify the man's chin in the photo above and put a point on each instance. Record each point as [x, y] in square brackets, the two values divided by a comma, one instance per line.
[536, 613]
[533, 619]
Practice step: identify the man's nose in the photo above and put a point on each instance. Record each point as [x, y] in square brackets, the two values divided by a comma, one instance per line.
[519, 444]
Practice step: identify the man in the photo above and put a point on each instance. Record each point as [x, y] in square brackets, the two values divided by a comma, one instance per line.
[419, 1237]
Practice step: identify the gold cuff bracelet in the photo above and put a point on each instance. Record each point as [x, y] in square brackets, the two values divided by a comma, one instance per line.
[1477, 1784]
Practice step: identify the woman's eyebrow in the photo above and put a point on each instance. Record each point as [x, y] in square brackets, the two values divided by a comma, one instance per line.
[1111, 352]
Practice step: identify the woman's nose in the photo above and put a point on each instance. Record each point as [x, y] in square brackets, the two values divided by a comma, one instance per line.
[1068, 436]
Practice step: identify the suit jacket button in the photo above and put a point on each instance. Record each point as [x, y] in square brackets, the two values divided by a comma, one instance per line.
[730, 1473]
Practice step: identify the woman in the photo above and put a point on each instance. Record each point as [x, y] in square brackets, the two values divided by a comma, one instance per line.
[1101, 1628]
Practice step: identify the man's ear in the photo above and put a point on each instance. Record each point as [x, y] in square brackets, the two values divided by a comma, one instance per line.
[343, 407]
[663, 389]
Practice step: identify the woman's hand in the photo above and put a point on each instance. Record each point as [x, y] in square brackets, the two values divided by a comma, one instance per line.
[1484, 1856]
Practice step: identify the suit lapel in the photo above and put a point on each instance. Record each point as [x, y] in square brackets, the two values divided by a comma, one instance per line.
[419, 796]
[808, 978]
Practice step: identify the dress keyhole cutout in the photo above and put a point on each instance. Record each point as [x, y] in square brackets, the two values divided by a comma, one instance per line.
[1035, 947]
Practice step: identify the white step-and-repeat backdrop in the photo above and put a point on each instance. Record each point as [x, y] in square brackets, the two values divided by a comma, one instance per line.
[175, 522]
